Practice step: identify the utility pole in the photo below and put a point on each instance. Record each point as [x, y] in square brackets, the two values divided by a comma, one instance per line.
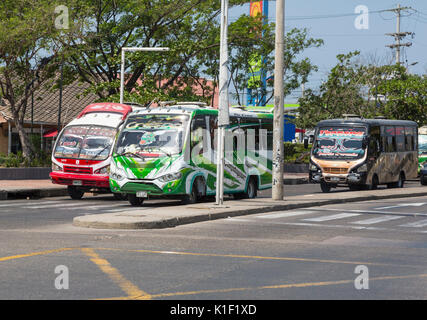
[278, 157]
[223, 112]
[398, 36]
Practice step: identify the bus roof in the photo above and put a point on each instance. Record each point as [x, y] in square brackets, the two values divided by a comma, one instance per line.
[187, 108]
[369, 122]
[106, 107]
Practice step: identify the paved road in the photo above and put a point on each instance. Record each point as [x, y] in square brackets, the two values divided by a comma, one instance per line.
[301, 254]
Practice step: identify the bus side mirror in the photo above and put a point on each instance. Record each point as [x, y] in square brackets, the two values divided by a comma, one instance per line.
[305, 143]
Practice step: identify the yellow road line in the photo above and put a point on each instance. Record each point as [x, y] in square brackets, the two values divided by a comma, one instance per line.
[32, 254]
[128, 287]
[284, 286]
[257, 257]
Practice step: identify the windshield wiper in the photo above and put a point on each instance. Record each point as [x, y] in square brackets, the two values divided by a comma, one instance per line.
[132, 154]
[99, 152]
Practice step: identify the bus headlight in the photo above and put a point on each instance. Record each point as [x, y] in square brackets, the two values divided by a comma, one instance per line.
[104, 170]
[170, 177]
[117, 176]
[55, 167]
[313, 167]
[362, 168]
[116, 172]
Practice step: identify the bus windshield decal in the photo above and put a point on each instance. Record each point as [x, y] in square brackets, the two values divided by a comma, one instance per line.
[152, 133]
[339, 142]
[85, 142]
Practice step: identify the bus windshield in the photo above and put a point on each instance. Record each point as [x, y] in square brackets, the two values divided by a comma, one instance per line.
[339, 143]
[85, 142]
[152, 134]
[422, 144]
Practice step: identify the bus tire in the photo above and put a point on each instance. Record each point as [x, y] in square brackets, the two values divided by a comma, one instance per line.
[74, 193]
[198, 190]
[375, 183]
[192, 197]
[134, 200]
[252, 189]
[399, 184]
[120, 196]
[325, 187]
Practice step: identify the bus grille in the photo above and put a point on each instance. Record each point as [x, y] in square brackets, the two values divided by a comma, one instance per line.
[335, 170]
[82, 170]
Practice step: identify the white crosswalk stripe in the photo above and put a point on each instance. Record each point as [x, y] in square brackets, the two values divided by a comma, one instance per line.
[332, 217]
[377, 220]
[417, 224]
[284, 214]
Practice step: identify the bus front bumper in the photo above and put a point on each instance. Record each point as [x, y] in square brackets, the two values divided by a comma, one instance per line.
[80, 180]
[346, 179]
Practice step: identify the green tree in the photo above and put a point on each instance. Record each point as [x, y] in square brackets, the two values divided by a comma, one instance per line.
[26, 28]
[367, 91]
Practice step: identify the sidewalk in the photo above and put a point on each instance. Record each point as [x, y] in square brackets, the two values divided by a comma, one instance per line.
[30, 188]
[171, 216]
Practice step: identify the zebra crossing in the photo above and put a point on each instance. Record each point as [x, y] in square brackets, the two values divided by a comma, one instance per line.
[359, 220]
[86, 206]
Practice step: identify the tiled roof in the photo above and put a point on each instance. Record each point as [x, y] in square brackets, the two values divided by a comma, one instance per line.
[46, 104]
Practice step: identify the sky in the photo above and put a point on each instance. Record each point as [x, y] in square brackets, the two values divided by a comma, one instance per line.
[334, 22]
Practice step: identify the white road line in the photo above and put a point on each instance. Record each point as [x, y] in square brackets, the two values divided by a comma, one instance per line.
[75, 204]
[417, 224]
[283, 214]
[24, 204]
[332, 217]
[377, 220]
[419, 204]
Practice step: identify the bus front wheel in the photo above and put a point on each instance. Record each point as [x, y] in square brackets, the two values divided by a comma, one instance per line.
[74, 193]
[325, 187]
[134, 200]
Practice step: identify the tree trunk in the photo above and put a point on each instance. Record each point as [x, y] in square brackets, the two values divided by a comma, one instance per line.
[27, 148]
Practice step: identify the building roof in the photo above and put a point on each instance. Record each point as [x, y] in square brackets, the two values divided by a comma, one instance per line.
[46, 104]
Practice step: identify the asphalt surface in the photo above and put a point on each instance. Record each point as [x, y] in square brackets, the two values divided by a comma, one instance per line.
[310, 253]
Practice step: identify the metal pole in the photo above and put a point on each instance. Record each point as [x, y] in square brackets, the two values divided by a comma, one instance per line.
[32, 106]
[122, 76]
[122, 68]
[398, 35]
[278, 157]
[60, 97]
[9, 138]
[223, 113]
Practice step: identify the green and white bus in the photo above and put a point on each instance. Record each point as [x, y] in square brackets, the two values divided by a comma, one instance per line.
[422, 146]
[170, 151]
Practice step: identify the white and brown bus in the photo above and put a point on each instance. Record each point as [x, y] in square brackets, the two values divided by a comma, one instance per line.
[364, 153]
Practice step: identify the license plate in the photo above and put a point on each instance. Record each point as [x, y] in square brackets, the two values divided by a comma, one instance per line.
[141, 194]
[335, 179]
[77, 183]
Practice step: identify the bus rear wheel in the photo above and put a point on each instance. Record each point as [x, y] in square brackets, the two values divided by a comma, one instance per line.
[399, 184]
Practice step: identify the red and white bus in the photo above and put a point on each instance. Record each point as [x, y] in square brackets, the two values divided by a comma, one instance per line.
[82, 152]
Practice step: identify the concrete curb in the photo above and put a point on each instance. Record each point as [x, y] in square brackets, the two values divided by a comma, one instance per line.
[32, 193]
[132, 220]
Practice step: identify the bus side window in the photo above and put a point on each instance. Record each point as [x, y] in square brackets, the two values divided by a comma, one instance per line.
[267, 124]
[390, 142]
[213, 127]
[198, 125]
[374, 141]
[400, 138]
[409, 139]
